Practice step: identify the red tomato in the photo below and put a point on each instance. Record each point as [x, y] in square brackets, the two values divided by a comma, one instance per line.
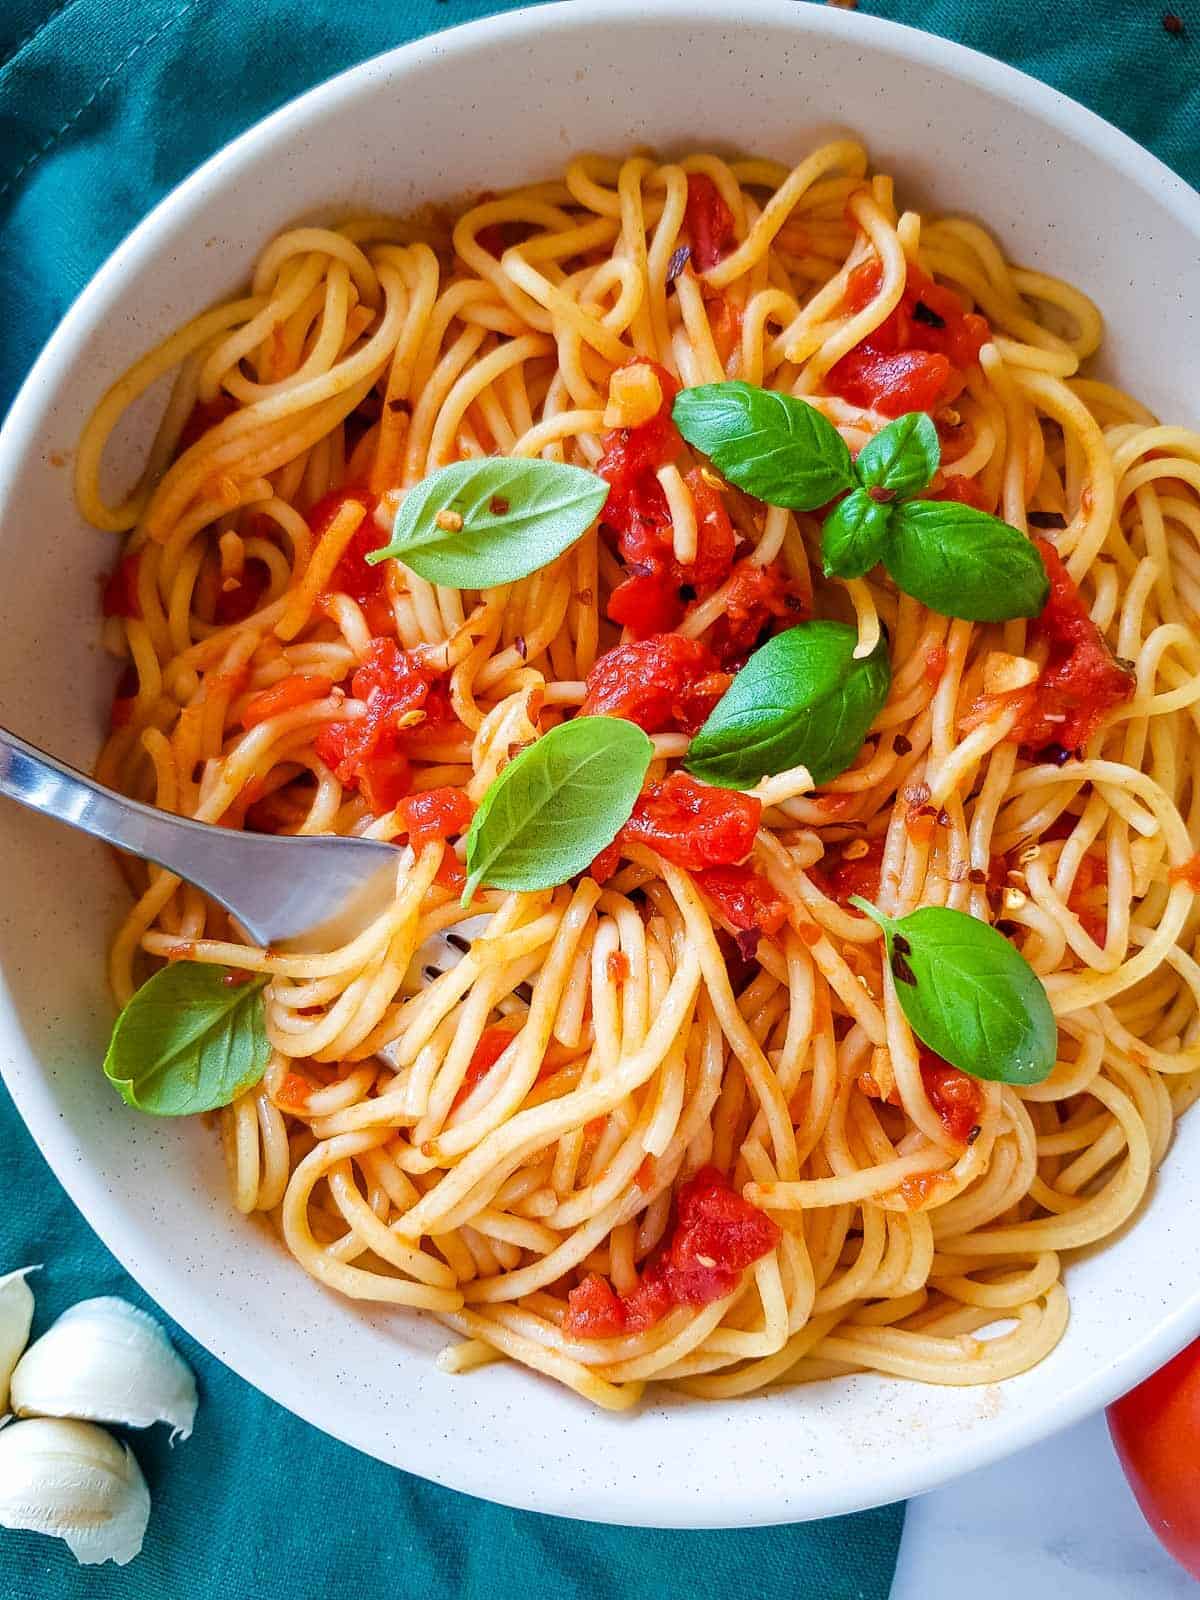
[652, 598]
[435, 814]
[368, 752]
[957, 1098]
[1156, 1430]
[842, 876]
[663, 682]
[954, 486]
[758, 597]
[716, 1236]
[352, 575]
[236, 604]
[297, 690]
[745, 897]
[708, 220]
[916, 358]
[693, 825]
[1082, 679]
[493, 1042]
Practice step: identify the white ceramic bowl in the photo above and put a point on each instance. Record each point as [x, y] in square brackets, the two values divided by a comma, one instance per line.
[488, 105]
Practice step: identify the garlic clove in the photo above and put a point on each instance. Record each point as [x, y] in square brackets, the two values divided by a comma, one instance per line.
[106, 1361]
[74, 1481]
[16, 1318]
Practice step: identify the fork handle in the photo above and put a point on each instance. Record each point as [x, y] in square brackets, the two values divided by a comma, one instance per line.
[36, 780]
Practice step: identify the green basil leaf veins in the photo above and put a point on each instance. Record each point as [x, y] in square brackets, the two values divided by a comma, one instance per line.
[964, 563]
[969, 994]
[801, 700]
[553, 809]
[854, 535]
[189, 1040]
[517, 515]
[771, 445]
[903, 457]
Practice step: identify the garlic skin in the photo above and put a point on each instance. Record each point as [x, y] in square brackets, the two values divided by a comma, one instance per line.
[106, 1361]
[16, 1318]
[74, 1481]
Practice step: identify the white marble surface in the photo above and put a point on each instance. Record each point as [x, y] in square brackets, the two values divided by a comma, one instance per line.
[1054, 1523]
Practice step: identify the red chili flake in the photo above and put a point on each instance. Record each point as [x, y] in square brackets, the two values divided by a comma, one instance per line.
[1172, 23]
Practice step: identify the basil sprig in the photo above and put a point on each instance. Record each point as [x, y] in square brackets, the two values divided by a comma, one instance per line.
[969, 994]
[553, 809]
[801, 700]
[191, 1039]
[480, 523]
[955, 559]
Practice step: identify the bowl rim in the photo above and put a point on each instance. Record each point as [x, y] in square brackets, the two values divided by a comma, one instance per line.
[741, 1506]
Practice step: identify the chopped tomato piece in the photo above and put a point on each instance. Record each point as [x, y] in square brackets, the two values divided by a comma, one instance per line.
[957, 1098]
[493, 1042]
[120, 596]
[953, 486]
[352, 575]
[758, 597]
[123, 697]
[917, 357]
[725, 321]
[665, 681]
[935, 665]
[435, 814]
[368, 752]
[1088, 898]
[745, 898]
[693, 825]
[715, 1237]
[297, 690]
[652, 598]
[708, 220]
[852, 874]
[1082, 680]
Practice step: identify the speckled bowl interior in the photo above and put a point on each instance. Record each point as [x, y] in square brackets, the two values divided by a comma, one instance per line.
[494, 103]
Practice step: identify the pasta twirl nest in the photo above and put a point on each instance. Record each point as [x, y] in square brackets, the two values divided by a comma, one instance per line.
[906, 606]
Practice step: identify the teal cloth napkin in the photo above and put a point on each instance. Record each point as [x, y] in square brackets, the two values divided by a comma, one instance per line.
[102, 111]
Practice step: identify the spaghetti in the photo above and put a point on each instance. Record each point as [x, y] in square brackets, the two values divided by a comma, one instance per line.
[666, 1123]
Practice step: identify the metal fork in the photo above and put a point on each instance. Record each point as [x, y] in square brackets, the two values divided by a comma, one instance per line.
[298, 888]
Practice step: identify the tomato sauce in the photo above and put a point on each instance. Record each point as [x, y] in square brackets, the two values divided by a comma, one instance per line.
[693, 825]
[663, 682]
[368, 752]
[716, 1235]
[1082, 680]
[953, 486]
[708, 220]
[917, 358]
[1187, 872]
[205, 414]
[1088, 898]
[119, 597]
[299, 689]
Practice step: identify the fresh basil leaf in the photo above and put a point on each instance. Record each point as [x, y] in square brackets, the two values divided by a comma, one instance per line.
[773, 446]
[963, 563]
[555, 806]
[191, 1039]
[854, 535]
[969, 994]
[800, 700]
[903, 457]
[516, 515]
